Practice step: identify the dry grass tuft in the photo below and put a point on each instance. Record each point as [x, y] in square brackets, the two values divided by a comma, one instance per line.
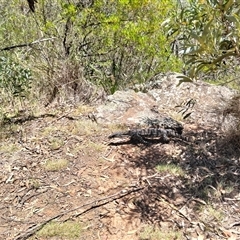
[9, 148]
[231, 143]
[117, 127]
[231, 117]
[66, 230]
[56, 164]
[86, 128]
[55, 143]
[90, 148]
[68, 84]
[170, 168]
[233, 107]
[209, 214]
[158, 234]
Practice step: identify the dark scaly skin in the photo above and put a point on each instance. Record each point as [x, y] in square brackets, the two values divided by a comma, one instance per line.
[165, 123]
[142, 134]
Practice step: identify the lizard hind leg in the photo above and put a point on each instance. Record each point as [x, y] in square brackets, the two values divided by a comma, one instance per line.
[165, 138]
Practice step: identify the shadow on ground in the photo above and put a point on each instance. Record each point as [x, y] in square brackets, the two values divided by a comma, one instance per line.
[209, 180]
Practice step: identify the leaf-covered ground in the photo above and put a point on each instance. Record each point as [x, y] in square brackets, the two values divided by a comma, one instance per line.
[60, 179]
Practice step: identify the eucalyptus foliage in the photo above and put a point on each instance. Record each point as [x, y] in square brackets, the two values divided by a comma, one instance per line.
[206, 34]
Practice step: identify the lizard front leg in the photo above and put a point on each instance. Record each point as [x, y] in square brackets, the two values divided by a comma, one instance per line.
[138, 138]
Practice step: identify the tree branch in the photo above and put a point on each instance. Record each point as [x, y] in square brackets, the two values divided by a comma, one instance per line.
[27, 44]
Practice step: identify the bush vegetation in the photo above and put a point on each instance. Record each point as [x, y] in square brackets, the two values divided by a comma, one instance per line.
[206, 35]
[72, 49]
[65, 46]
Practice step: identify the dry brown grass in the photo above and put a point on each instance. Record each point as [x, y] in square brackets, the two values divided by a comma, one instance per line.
[231, 117]
[67, 230]
[170, 168]
[55, 164]
[233, 107]
[158, 234]
[68, 84]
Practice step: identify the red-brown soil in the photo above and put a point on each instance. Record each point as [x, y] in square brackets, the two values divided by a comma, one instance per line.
[115, 191]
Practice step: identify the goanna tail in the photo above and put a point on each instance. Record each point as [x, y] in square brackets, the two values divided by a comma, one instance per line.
[119, 134]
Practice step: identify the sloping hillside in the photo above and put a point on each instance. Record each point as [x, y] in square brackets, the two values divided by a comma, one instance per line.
[61, 178]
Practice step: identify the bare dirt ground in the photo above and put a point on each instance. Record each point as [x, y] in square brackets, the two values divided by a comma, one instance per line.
[61, 169]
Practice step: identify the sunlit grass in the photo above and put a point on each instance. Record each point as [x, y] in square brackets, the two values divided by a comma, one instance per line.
[117, 127]
[50, 130]
[56, 164]
[66, 230]
[34, 183]
[90, 148]
[86, 128]
[56, 143]
[157, 234]
[82, 109]
[170, 168]
[96, 146]
[9, 148]
[208, 214]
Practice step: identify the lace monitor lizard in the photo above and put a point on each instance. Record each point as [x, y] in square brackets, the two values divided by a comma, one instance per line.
[144, 135]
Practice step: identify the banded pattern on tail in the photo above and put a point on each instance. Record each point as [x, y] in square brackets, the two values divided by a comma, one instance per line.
[142, 135]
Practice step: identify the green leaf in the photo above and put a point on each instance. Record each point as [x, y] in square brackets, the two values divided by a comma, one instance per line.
[187, 115]
[231, 18]
[228, 5]
[207, 29]
[182, 79]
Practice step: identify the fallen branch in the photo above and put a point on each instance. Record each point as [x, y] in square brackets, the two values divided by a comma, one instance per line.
[26, 44]
[92, 205]
[165, 200]
[107, 200]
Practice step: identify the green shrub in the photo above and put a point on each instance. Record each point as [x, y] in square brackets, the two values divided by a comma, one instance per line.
[110, 44]
[14, 78]
[207, 37]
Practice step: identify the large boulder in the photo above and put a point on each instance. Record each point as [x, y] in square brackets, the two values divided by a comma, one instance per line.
[163, 96]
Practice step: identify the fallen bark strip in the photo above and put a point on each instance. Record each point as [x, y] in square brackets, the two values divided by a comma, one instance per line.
[92, 205]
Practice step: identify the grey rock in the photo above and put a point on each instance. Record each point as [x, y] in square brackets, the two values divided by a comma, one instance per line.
[162, 97]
